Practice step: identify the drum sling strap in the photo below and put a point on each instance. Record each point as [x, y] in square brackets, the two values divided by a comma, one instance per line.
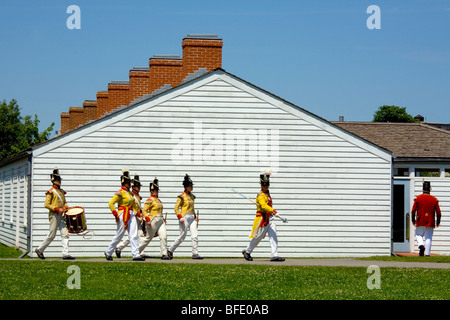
[80, 234]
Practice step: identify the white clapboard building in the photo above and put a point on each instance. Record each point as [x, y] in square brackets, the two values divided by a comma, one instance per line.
[334, 187]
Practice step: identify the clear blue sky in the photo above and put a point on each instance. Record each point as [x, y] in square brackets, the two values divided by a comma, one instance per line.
[319, 55]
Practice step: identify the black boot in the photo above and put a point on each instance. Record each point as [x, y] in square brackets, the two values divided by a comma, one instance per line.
[40, 254]
[277, 259]
[421, 250]
[247, 255]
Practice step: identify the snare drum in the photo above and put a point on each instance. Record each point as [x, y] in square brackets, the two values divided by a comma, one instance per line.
[75, 220]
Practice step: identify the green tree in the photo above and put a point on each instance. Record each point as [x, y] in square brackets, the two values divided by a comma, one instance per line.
[392, 114]
[18, 133]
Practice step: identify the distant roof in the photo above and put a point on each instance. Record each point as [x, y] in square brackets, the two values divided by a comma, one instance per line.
[407, 141]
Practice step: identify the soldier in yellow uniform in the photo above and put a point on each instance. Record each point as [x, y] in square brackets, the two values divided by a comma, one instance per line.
[184, 209]
[264, 222]
[155, 224]
[125, 218]
[55, 202]
[135, 189]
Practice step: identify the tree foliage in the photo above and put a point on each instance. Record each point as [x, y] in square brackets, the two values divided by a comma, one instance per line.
[392, 114]
[18, 133]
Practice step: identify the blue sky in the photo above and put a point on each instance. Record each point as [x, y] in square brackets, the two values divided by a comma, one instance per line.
[319, 55]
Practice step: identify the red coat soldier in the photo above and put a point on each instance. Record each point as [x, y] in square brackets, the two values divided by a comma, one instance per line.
[428, 217]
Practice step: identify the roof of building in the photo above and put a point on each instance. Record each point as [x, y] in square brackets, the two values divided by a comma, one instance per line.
[407, 141]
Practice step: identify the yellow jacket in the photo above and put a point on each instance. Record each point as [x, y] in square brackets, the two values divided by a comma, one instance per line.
[263, 210]
[137, 199]
[54, 199]
[126, 202]
[153, 207]
[185, 204]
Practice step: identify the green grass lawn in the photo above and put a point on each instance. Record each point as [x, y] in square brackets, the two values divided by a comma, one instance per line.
[31, 279]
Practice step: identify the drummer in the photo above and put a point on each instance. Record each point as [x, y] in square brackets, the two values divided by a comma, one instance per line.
[55, 202]
[135, 189]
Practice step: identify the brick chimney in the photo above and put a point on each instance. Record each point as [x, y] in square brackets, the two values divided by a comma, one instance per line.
[165, 69]
[139, 80]
[65, 121]
[102, 103]
[118, 94]
[201, 51]
[76, 116]
[89, 110]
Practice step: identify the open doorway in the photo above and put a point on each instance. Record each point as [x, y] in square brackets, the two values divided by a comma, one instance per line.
[401, 216]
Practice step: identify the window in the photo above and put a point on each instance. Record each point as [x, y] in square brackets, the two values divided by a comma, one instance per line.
[401, 172]
[447, 173]
[427, 172]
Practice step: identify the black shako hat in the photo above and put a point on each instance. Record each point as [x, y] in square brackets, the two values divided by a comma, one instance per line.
[55, 175]
[264, 178]
[187, 181]
[125, 177]
[154, 185]
[136, 181]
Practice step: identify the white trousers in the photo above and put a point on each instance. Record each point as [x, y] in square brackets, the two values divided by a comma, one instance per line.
[424, 235]
[126, 240]
[271, 231]
[157, 226]
[132, 230]
[189, 224]
[57, 222]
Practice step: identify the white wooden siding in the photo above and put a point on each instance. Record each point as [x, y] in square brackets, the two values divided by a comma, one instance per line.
[14, 201]
[334, 188]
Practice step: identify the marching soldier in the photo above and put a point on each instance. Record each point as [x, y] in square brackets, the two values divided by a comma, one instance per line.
[264, 222]
[184, 209]
[55, 202]
[125, 218]
[135, 189]
[428, 217]
[155, 224]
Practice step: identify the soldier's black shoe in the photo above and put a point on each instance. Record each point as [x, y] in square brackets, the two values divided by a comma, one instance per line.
[247, 255]
[197, 257]
[421, 250]
[39, 254]
[170, 254]
[165, 257]
[68, 257]
[139, 259]
[277, 259]
[118, 253]
[108, 257]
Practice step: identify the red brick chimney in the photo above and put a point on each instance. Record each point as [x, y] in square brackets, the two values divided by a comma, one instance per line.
[102, 103]
[65, 121]
[201, 51]
[118, 94]
[165, 69]
[139, 79]
[76, 116]
[90, 110]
